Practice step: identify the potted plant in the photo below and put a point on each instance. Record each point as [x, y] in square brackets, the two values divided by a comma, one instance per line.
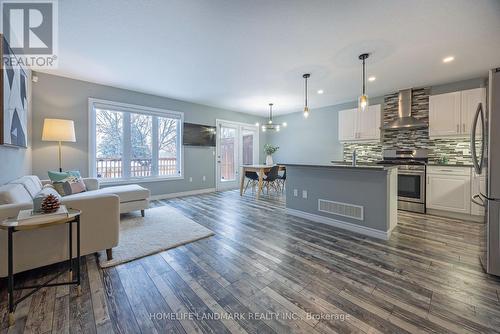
[270, 150]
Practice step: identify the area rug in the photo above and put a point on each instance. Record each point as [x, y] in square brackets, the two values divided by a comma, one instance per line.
[163, 228]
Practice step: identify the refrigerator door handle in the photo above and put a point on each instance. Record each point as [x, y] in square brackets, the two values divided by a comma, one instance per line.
[478, 163]
[478, 199]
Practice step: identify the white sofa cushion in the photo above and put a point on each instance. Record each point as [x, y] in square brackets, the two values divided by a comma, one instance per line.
[31, 182]
[127, 193]
[14, 193]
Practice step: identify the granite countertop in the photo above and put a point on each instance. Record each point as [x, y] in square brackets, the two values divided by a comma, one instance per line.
[344, 165]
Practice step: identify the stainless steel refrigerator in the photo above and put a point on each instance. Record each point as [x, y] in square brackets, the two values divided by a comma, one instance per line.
[485, 149]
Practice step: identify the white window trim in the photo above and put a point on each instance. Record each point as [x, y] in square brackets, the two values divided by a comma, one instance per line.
[134, 108]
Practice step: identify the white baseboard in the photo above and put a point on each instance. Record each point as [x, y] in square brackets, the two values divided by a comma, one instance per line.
[182, 194]
[340, 224]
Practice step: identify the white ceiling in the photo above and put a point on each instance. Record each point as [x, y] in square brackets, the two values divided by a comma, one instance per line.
[242, 54]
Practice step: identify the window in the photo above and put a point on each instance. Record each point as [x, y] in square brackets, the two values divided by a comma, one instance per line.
[133, 142]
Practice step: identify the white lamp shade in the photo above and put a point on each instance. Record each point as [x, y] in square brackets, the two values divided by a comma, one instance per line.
[58, 130]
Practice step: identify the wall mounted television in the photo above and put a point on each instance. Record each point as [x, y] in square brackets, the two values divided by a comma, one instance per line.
[198, 135]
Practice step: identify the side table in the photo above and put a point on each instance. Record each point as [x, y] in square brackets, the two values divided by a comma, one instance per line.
[12, 226]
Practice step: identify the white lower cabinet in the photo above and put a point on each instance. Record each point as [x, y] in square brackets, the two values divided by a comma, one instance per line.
[449, 189]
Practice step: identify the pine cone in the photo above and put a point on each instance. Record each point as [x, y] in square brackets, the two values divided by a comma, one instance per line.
[50, 204]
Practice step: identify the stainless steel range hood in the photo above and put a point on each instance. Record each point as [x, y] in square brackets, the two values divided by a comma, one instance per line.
[405, 120]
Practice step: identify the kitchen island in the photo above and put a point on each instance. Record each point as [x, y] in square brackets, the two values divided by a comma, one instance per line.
[360, 198]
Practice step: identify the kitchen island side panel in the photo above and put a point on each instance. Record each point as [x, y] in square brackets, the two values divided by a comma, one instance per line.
[370, 189]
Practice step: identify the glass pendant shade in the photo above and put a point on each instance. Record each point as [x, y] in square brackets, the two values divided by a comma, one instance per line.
[363, 103]
[306, 112]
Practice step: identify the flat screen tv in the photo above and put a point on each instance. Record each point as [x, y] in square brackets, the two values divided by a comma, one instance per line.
[198, 135]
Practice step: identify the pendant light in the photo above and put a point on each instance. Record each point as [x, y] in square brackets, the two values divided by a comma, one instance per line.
[306, 108]
[363, 99]
[270, 125]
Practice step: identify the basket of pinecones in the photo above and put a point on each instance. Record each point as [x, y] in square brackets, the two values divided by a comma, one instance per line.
[50, 204]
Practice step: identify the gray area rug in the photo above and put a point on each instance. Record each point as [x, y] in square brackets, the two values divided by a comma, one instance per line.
[163, 228]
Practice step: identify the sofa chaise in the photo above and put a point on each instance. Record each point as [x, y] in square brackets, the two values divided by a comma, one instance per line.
[100, 219]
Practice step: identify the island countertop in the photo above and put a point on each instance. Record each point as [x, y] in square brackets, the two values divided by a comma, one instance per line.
[343, 165]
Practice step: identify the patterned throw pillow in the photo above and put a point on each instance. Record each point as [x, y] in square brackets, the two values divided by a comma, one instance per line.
[67, 183]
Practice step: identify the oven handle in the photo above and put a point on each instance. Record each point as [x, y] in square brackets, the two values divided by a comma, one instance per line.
[406, 172]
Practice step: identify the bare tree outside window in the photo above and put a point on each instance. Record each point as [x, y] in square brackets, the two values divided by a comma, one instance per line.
[110, 144]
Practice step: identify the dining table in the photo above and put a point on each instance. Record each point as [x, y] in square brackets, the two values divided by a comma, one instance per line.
[261, 170]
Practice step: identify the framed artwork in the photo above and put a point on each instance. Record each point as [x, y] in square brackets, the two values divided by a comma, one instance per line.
[14, 99]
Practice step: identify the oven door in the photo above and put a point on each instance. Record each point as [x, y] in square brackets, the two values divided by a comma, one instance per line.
[411, 186]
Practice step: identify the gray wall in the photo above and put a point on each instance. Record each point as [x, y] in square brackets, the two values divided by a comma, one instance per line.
[366, 188]
[59, 97]
[315, 140]
[312, 140]
[16, 162]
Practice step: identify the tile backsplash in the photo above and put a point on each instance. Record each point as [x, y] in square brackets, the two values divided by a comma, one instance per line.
[455, 149]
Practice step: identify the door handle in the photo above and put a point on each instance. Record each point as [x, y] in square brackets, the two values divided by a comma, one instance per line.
[477, 199]
[463, 128]
[478, 165]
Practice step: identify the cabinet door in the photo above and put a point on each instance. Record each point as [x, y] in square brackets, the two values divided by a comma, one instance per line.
[478, 184]
[347, 125]
[469, 102]
[368, 123]
[444, 115]
[449, 192]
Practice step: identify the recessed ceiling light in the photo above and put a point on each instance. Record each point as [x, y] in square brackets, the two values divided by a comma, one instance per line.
[448, 59]
[320, 91]
[372, 78]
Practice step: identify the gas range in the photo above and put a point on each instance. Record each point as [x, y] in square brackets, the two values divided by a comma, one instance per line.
[415, 157]
[411, 176]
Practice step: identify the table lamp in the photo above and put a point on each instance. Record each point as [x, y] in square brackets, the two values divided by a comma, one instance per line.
[58, 130]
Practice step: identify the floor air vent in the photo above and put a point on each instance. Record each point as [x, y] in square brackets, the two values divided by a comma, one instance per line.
[341, 209]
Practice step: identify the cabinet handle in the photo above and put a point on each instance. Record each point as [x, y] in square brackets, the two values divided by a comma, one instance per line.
[458, 128]
[463, 128]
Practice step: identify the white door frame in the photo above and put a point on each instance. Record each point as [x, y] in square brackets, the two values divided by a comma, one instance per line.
[239, 126]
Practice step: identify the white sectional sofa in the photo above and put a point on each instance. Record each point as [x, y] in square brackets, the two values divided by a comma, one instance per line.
[100, 219]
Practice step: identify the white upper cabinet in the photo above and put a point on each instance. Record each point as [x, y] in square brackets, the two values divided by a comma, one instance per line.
[452, 114]
[360, 126]
[368, 123]
[347, 124]
[444, 114]
[470, 100]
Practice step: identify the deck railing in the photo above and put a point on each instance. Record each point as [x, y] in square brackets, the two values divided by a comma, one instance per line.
[112, 168]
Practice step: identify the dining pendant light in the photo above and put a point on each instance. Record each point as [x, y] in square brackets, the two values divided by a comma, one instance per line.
[363, 99]
[270, 125]
[306, 108]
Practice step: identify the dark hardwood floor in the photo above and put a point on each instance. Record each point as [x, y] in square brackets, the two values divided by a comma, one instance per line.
[266, 272]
